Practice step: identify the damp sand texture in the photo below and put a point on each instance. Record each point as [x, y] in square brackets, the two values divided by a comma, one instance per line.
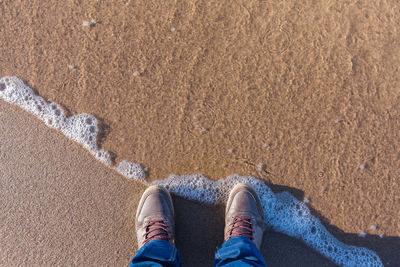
[308, 90]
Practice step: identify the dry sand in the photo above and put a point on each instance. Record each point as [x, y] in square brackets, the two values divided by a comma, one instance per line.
[309, 89]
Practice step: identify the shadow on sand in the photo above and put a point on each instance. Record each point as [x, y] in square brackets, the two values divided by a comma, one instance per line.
[199, 232]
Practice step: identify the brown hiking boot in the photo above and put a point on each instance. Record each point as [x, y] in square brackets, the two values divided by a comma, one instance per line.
[155, 216]
[244, 214]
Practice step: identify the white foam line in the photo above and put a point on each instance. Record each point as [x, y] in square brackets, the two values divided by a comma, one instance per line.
[283, 212]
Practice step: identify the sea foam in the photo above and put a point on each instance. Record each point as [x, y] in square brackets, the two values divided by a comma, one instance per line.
[283, 212]
[82, 128]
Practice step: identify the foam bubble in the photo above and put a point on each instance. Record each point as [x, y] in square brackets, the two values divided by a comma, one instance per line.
[260, 166]
[362, 234]
[131, 170]
[103, 156]
[283, 212]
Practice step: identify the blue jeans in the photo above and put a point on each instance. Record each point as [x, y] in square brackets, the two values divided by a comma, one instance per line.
[236, 251]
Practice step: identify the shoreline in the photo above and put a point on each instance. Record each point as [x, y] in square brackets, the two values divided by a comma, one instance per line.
[137, 194]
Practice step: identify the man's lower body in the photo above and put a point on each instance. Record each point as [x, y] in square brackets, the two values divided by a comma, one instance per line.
[243, 230]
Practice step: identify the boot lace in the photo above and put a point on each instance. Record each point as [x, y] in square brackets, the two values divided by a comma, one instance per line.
[241, 226]
[156, 229]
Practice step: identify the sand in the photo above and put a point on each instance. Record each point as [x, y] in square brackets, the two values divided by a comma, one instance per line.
[310, 90]
[59, 206]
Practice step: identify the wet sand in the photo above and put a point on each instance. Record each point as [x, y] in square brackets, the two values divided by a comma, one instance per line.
[309, 90]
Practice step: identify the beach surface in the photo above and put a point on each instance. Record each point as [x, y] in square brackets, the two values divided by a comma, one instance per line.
[61, 207]
[305, 96]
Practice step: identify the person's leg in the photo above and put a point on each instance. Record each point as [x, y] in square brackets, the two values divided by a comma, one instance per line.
[244, 228]
[157, 253]
[239, 251]
[155, 230]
